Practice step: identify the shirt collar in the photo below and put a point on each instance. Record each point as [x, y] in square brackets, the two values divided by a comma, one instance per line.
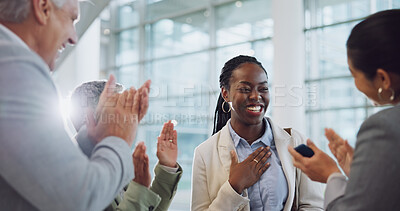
[266, 138]
[13, 36]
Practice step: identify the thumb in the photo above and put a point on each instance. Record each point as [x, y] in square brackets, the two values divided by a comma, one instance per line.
[234, 158]
[312, 145]
[350, 149]
[109, 88]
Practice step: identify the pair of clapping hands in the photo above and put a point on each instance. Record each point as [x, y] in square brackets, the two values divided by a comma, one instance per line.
[167, 153]
[320, 166]
[118, 114]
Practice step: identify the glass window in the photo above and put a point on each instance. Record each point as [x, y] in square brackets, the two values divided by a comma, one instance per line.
[320, 13]
[240, 21]
[344, 121]
[160, 8]
[333, 100]
[128, 47]
[326, 51]
[129, 76]
[178, 35]
[128, 15]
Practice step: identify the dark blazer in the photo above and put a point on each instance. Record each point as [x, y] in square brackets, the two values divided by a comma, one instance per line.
[374, 181]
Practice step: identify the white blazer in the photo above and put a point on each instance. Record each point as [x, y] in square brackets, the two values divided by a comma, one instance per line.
[211, 163]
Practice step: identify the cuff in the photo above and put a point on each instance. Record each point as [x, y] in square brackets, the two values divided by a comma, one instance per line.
[169, 169]
[139, 197]
[335, 187]
[165, 176]
[237, 200]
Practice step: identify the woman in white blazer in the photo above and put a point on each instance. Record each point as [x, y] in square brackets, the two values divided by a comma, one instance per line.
[246, 165]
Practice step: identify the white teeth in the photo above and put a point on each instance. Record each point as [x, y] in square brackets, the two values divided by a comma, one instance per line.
[254, 108]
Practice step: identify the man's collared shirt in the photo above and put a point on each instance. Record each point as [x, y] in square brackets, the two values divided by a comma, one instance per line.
[271, 190]
[13, 36]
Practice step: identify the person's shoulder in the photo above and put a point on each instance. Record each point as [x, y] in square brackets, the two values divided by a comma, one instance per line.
[381, 124]
[387, 116]
[211, 142]
[15, 55]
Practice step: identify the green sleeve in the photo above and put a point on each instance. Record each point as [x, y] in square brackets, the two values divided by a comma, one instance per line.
[165, 185]
[139, 198]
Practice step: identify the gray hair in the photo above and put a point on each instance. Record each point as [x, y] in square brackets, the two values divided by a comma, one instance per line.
[86, 96]
[16, 11]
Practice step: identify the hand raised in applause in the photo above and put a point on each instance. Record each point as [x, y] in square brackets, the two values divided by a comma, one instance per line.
[341, 149]
[244, 174]
[318, 167]
[118, 114]
[167, 145]
[141, 165]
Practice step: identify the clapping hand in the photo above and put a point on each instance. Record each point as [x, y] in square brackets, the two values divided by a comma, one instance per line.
[141, 165]
[167, 146]
[118, 114]
[341, 149]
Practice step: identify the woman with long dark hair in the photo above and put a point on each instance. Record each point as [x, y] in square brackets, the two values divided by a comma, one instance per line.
[373, 169]
[245, 165]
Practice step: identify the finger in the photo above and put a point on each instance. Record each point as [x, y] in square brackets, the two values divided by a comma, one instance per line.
[147, 85]
[146, 162]
[108, 90]
[110, 86]
[253, 155]
[129, 100]
[263, 160]
[135, 106]
[234, 158]
[332, 148]
[122, 99]
[332, 136]
[163, 132]
[263, 154]
[312, 145]
[136, 161]
[132, 92]
[169, 131]
[144, 102]
[349, 148]
[175, 137]
[297, 157]
[263, 169]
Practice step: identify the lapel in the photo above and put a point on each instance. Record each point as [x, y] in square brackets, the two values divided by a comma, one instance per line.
[282, 141]
[225, 145]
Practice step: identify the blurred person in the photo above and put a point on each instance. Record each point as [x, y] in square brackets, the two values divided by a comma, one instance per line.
[40, 167]
[139, 194]
[373, 168]
[245, 165]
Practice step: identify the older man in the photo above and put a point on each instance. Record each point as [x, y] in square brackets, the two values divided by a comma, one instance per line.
[40, 167]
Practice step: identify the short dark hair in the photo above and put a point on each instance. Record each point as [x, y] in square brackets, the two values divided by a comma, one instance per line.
[86, 96]
[220, 117]
[375, 43]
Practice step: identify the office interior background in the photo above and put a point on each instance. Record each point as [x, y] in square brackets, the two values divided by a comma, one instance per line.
[181, 45]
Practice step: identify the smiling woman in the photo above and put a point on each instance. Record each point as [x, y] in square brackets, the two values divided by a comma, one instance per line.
[265, 178]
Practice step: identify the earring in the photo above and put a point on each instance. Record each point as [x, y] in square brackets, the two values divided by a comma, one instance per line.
[393, 94]
[223, 109]
[391, 98]
[379, 93]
